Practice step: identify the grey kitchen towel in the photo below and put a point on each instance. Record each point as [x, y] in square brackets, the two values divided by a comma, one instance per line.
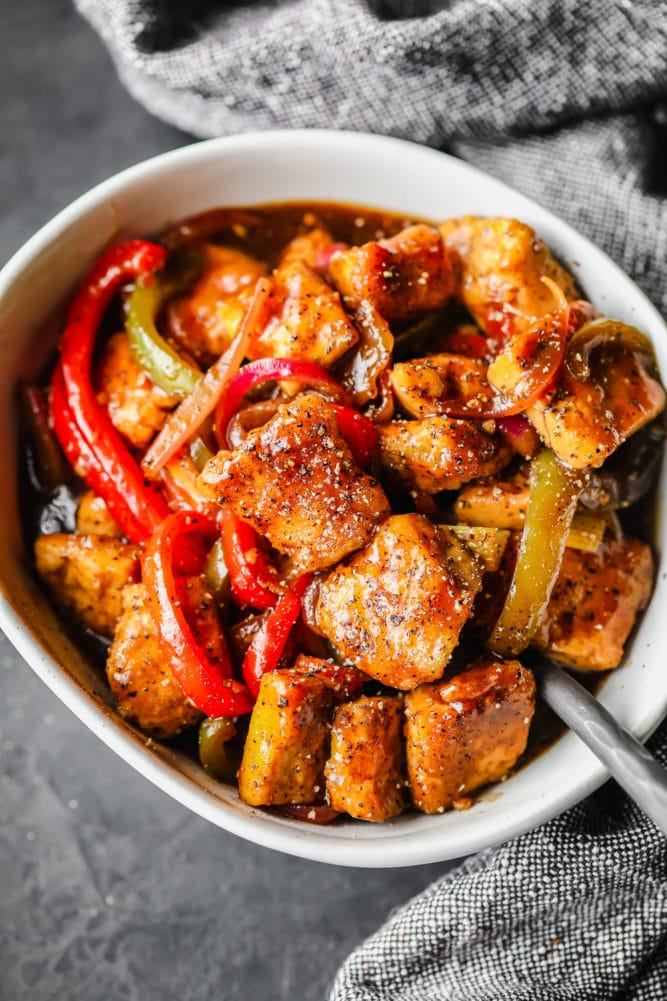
[567, 101]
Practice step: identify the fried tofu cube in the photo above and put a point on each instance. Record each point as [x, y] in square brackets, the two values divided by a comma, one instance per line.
[421, 385]
[584, 422]
[396, 609]
[594, 604]
[365, 774]
[439, 453]
[345, 682]
[466, 731]
[295, 481]
[402, 276]
[137, 407]
[86, 575]
[146, 691]
[313, 248]
[311, 323]
[498, 504]
[501, 264]
[93, 518]
[206, 319]
[288, 740]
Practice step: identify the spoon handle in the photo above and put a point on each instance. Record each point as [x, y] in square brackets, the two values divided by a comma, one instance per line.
[633, 767]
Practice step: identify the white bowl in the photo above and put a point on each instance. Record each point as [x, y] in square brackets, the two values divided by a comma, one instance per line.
[282, 166]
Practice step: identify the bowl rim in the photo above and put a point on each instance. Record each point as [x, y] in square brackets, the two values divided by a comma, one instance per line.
[304, 841]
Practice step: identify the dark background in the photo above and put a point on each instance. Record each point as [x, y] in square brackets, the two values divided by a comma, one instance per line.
[108, 889]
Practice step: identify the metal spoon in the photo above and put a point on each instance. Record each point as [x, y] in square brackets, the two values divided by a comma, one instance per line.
[633, 767]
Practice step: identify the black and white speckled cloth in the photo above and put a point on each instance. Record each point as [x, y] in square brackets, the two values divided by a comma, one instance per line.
[567, 101]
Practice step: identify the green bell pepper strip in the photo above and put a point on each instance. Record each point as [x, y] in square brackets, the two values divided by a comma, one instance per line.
[149, 349]
[554, 492]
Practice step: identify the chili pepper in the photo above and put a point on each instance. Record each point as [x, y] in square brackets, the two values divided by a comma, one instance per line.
[358, 431]
[179, 546]
[188, 417]
[254, 579]
[149, 349]
[82, 425]
[554, 492]
[270, 370]
[267, 647]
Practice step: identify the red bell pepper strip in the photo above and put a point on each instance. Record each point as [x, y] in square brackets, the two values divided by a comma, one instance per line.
[358, 431]
[270, 370]
[179, 546]
[254, 579]
[267, 647]
[82, 425]
[524, 370]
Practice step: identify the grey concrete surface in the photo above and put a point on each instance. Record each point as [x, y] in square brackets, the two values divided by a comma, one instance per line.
[108, 889]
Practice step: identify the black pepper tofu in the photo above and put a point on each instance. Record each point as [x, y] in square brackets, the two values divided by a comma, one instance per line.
[438, 453]
[93, 518]
[396, 608]
[594, 604]
[313, 248]
[423, 385]
[467, 731]
[344, 681]
[137, 407]
[146, 691]
[497, 504]
[402, 276]
[288, 740]
[296, 482]
[86, 575]
[584, 422]
[365, 774]
[205, 320]
[310, 324]
[501, 263]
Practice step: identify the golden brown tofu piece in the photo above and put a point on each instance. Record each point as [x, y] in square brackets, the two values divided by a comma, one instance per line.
[439, 453]
[137, 407]
[402, 276]
[498, 504]
[595, 603]
[86, 575]
[288, 740]
[584, 422]
[501, 264]
[93, 518]
[396, 608]
[313, 248]
[421, 386]
[207, 318]
[365, 774]
[146, 691]
[466, 731]
[295, 481]
[487, 544]
[311, 323]
[345, 682]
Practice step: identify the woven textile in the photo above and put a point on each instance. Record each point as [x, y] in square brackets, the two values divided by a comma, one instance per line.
[563, 99]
